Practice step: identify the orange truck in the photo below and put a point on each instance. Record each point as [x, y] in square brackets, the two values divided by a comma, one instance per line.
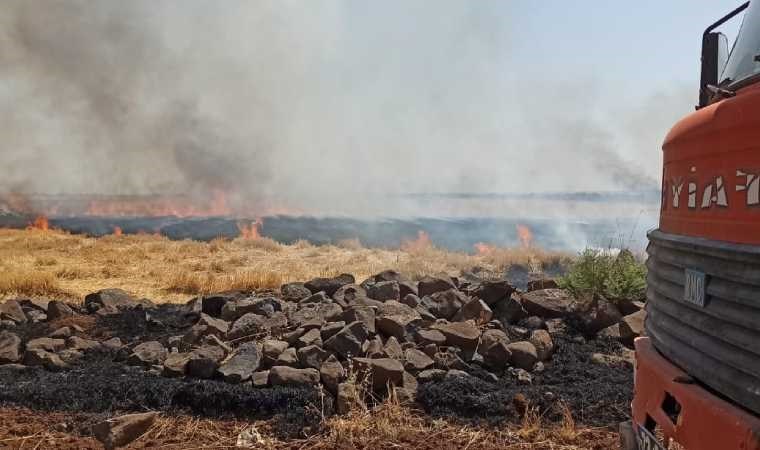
[697, 371]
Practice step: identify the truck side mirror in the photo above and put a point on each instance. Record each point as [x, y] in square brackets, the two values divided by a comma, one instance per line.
[711, 64]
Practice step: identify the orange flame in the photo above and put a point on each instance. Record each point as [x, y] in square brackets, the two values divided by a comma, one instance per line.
[483, 249]
[415, 245]
[117, 231]
[40, 223]
[525, 235]
[250, 231]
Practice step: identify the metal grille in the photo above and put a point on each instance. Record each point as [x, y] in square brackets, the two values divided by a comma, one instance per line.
[718, 343]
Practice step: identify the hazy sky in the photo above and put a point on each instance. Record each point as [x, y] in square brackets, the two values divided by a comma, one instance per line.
[326, 100]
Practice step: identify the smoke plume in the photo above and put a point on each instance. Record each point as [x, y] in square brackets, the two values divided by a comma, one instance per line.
[313, 104]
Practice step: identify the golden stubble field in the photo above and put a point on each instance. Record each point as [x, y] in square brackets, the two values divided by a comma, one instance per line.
[53, 263]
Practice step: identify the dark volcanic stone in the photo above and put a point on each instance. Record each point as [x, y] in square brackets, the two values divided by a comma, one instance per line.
[492, 292]
[10, 347]
[384, 290]
[444, 304]
[213, 304]
[348, 341]
[430, 285]
[111, 301]
[11, 310]
[57, 309]
[294, 292]
[329, 285]
[242, 364]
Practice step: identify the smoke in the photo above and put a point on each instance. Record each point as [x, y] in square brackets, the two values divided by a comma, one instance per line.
[314, 104]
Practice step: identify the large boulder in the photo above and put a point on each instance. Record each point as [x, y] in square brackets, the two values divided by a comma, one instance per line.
[598, 315]
[349, 341]
[204, 361]
[415, 360]
[395, 318]
[241, 365]
[360, 313]
[548, 303]
[384, 290]
[120, 431]
[524, 355]
[430, 285]
[294, 292]
[332, 373]
[348, 294]
[149, 353]
[444, 304]
[497, 355]
[289, 376]
[11, 310]
[492, 292]
[266, 306]
[247, 325]
[632, 326]
[57, 310]
[475, 309]
[329, 285]
[112, 301]
[464, 335]
[509, 310]
[10, 347]
[380, 371]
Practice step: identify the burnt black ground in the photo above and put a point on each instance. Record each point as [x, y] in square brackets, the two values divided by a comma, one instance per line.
[598, 395]
[104, 387]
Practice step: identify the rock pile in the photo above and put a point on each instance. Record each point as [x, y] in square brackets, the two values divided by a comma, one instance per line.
[387, 331]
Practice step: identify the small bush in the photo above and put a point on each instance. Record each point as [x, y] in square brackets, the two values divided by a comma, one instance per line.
[600, 272]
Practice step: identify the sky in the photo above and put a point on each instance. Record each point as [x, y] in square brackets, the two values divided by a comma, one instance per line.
[334, 101]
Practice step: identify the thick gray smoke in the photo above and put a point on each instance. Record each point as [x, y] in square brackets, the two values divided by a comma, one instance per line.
[314, 104]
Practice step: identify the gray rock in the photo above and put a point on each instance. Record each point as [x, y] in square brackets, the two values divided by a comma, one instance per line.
[312, 356]
[491, 337]
[349, 294]
[427, 336]
[394, 319]
[40, 357]
[148, 354]
[260, 379]
[11, 310]
[213, 304]
[247, 325]
[430, 285]
[464, 335]
[632, 326]
[330, 328]
[346, 398]
[60, 333]
[294, 292]
[329, 285]
[509, 310]
[381, 371]
[57, 310]
[288, 358]
[541, 283]
[47, 344]
[384, 290]
[524, 355]
[364, 314]
[415, 360]
[217, 327]
[319, 297]
[411, 300]
[332, 373]
[120, 431]
[272, 349]
[348, 341]
[175, 365]
[533, 323]
[311, 337]
[241, 365]
[392, 348]
[498, 355]
[235, 309]
[492, 292]
[10, 347]
[431, 375]
[289, 376]
[373, 348]
[204, 361]
[444, 304]
[547, 303]
[83, 345]
[112, 301]
[475, 309]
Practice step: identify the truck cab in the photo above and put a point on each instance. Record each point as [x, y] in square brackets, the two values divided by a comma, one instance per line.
[697, 372]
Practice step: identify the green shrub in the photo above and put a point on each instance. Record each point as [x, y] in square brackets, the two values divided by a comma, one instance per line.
[600, 272]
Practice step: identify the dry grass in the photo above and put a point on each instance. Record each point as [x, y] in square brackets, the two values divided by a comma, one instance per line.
[55, 263]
